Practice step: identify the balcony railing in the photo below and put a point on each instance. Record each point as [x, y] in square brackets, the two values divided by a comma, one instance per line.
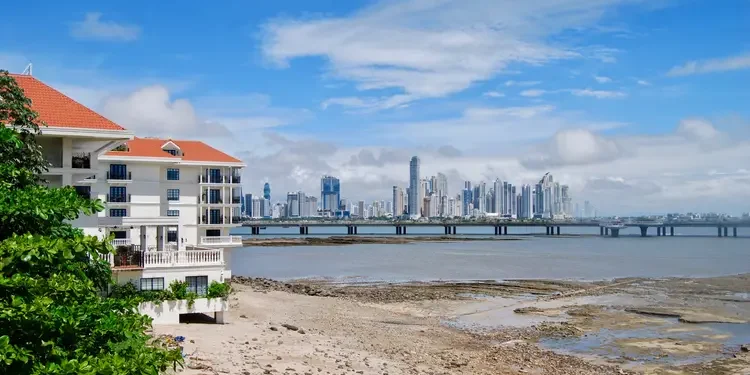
[236, 219]
[121, 242]
[236, 200]
[127, 257]
[81, 161]
[213, 179]
[221, 240]
[127, 176]
[118, 198]
[183, 258]
[212, 220]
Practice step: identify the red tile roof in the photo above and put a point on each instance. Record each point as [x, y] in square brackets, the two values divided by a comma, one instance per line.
[196, 151]
[58, 110]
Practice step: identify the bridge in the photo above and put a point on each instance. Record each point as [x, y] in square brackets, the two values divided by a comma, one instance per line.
[606, 228]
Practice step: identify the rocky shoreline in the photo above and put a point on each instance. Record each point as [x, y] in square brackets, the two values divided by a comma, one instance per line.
[319, 327]
[359, 240]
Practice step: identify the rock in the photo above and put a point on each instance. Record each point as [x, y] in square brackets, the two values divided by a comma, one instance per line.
[745, 348]
[290, 327]
[301, 331]
[274, 329]
[243, 316]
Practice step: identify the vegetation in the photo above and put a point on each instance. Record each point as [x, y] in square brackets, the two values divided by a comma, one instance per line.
[53, 317]
[177, 291]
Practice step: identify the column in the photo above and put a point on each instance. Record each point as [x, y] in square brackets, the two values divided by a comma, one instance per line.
[505, 230]
[558, 231]
[615, 232]
[404, 229]
[221, 317]
[644, 231]
[301, 230]
[601, 231]
[355, 229]
[726, 231]
[454, 229]
[143, 238]
[671, 231]
[719, 229]
[606, 231]
[497, 230]
[734, 231]
[160, 237]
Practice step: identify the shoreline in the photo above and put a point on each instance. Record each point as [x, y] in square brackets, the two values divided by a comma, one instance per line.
[477, 328]
[365, 239]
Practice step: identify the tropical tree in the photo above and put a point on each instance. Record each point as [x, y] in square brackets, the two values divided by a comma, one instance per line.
[53, 316]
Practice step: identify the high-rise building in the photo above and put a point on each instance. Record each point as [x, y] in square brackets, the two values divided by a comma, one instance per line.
[267, 191]
[398, 201]
[361, 208]
[415, 195]
[292, 204]
[330, 193]
[248, 205]
[466, 199]
[566, 199]
[257, 205]
[525, 211]
[442, 185]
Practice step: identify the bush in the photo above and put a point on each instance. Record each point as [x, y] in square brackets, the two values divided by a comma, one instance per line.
[219, 290]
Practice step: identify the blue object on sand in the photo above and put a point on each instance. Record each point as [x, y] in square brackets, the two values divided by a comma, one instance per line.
[179, 338]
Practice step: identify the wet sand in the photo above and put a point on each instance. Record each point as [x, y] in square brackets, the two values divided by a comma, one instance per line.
[485, 327]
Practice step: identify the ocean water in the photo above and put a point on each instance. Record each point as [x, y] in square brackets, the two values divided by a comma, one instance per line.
[692, 252]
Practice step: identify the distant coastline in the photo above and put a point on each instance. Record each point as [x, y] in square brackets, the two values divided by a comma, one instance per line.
[356, 240]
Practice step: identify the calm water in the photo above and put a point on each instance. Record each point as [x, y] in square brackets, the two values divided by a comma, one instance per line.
[695, 253]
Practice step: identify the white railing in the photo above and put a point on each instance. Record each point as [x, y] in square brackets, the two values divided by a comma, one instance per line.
[183, 258]
[121, 242]
[221, 240]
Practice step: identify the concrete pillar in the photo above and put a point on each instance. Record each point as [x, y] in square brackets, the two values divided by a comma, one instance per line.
[221, 317]
[404, 229]
[301, 230]
[719, 229]
[505, 230]
[159, 237]
[726, 231]
[355, 229]
[734, 231]
[644, 231]
[601, 231]
[497, 230]
[606, 231]
[671, 231]
[454, 229]
[143, 238]
[615, 232]
[558, 231]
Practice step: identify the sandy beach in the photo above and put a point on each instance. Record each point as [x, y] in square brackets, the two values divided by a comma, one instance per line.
[311, 327]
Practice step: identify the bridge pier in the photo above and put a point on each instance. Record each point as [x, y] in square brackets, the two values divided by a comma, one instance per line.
[355, 229]
[644, 231]
[726, 231]
[497, 230]
[601, 231]
[671, 231]
[454, 229]
[558, 231]
[505, 230]
[615, 232]
[606, 231]
[719, 230]
[398, 229]
[734, 231]
[304, 230]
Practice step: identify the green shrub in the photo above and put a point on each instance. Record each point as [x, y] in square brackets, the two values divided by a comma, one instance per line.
[218, 290]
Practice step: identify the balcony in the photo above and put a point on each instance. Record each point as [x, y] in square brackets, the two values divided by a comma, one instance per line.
[236, 200]
[118, 198]
[213, 179]
[236, 219]
[121, 242]
[221, 241]
[213, 220]
[119, 177]
[81, 161]
[236, 179]
[128, 258]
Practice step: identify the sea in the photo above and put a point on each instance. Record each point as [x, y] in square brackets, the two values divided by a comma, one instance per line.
[579, 254]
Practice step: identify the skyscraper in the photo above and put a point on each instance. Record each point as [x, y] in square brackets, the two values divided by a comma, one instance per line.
[267, 191]
[330, 193]
[248, 205]
[398, 201]
[415, 193]
[525, 211]
[442, 185]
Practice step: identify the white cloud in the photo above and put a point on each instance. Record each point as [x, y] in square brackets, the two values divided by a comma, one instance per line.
[599, 94]
[433, 49]
[602, 79]
[522, 83]
[533, 93]
[711, 66]
[643, 82]
[368, 104]
[493, 94]
[93, 28]
[573, 147]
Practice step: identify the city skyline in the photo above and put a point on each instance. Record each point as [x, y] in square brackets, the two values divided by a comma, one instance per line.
[636, 117]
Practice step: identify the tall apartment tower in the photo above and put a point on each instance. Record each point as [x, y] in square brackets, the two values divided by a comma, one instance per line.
[416, 195]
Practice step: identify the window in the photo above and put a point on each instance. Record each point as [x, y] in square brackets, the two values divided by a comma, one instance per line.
[214, 217]
[172, 235]
[213, 232]
[214, 196]
[83, 191]
[173, 194]
[173, 212]
[172, 152]
[197, 284]
[214, 176]
[173, 174]
[118, 212]
[119, 234]
[153, 283]
[118, 171]
[117, 194]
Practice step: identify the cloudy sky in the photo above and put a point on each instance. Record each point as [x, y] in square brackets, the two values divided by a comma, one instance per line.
[641, 106]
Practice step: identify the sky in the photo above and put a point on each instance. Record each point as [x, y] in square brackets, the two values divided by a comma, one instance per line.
[640, 106]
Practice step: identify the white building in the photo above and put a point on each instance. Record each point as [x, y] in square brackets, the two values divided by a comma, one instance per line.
[169, 204]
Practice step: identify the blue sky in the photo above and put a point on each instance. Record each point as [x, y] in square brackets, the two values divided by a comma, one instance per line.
[592, 90]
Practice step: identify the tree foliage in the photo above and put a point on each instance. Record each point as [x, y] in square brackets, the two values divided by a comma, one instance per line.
[54, 318]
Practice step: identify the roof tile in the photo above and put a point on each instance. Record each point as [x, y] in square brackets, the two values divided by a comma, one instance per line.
[195, 151]
[58, 110]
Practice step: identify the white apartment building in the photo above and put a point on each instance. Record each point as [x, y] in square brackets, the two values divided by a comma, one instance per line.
[169, 204]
